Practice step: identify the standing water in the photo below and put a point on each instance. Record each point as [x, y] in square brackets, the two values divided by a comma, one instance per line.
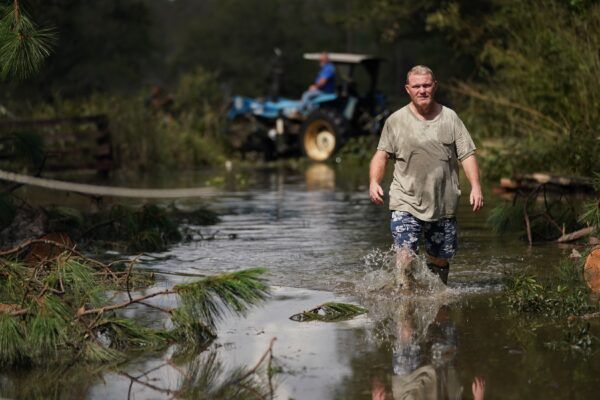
[322, 240]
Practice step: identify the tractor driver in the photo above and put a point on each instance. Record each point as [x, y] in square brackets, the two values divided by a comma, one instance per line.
[426, 142]
[324, 82]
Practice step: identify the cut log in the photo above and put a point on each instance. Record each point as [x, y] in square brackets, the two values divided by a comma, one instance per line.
[591, 270]
[569, 237]
[507, 183]
[556, 182]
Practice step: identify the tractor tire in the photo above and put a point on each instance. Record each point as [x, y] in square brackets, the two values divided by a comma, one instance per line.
[323, 133]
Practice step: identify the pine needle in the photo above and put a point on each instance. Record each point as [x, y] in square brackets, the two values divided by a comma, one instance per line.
[210, 299]
[58, 310]
[208, 379]
[505, 218]
[125, 333]
[84, 288]
[29, 146]
[330, 312]
[12, 343]
[48, 331]
[96, 353]
[23, 46]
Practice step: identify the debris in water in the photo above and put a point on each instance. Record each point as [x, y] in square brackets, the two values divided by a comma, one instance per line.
[330, 312]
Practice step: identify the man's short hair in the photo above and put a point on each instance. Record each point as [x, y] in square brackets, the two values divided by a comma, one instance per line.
[420, 70]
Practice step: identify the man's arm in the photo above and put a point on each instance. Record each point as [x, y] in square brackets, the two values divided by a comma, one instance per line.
[376, 172]
[472, 171]
[318, 84]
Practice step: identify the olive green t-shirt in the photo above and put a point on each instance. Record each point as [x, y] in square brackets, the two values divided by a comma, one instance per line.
[426, 155]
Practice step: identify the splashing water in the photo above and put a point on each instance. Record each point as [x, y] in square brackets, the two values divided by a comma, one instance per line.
[388, 275]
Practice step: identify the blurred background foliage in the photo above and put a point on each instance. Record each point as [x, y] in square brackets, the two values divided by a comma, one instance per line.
[522, 74]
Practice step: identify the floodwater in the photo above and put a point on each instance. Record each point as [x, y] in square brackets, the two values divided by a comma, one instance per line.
[322, 240]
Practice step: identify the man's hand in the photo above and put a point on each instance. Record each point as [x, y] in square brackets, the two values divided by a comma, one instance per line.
[476, 199]
[377, 389]
[478, 388]
[376, 193]
[376, 171]
[472, 171]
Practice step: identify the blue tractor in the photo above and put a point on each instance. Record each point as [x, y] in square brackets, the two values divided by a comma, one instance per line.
[277, 126]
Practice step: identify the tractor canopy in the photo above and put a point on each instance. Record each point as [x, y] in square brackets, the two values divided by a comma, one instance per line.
[347, 62]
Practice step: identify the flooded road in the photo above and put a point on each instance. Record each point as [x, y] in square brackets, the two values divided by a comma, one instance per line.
[322, 240]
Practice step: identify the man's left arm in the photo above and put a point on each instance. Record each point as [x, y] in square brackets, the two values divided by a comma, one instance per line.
[472, 172]
[324, 76]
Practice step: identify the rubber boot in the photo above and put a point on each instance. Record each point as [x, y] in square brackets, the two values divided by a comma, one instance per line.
[442, 272]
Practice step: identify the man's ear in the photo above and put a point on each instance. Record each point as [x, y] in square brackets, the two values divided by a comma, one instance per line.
[406, 88]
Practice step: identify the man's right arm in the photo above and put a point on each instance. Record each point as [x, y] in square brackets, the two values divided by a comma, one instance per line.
[376, 172]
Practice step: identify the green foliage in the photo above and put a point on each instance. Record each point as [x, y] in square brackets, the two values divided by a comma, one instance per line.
[7, 210]
[577, 339]
[48, 330]
[145, 138]
[79, 277]
[237, 39]
[144, 229]
[23, 46]
[548, 215]
[25, 146]
[564, 295]
[536, 84]
[206, 301]
[591, 214]
[359, 148]
[103, 45]
[124, 333]
[207, 378]
[12, 343]
[330, 312]
[506, 217]
[57, 311]
[198, 216]
[148, 228]
[21, 151]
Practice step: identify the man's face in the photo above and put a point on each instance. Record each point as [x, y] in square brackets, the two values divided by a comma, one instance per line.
[421, 89]
[323, 59]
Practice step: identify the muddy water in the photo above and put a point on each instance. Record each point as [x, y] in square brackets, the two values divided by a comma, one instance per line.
[321, 239]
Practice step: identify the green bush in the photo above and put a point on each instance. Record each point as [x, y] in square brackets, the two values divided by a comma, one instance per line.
[561, 295]
[185, 135]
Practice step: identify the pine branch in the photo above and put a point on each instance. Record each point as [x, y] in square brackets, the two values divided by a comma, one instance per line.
[330, 312]
[23, 46]
[59, 309]
[209, 299]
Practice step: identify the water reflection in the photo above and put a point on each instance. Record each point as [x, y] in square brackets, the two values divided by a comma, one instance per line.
[319, 176]
[418, 327]
[424, 348]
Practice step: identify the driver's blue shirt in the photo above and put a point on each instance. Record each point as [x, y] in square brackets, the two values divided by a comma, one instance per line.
[327, 72]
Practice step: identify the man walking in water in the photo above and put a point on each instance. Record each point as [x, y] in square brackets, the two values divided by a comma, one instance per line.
[426, 141]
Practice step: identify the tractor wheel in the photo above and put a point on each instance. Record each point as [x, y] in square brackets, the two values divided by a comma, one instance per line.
[322, 134]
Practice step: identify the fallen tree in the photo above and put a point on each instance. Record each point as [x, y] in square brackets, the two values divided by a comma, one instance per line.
[63, 309]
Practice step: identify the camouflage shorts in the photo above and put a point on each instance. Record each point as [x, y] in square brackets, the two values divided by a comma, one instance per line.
[441, 239]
